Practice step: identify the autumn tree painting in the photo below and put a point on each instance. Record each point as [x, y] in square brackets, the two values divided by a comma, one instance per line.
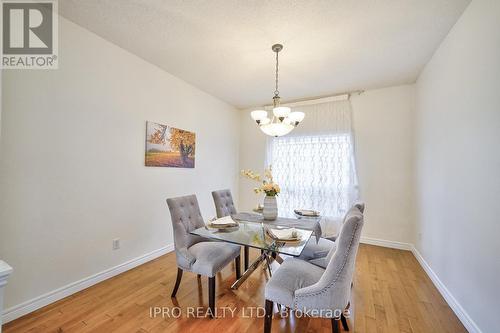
[168, 146]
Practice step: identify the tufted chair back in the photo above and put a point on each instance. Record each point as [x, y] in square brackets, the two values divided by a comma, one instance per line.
[360, 205]
[333, 289]
[224, 204]
[186, 216]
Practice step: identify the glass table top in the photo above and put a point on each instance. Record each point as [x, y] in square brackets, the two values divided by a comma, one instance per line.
[254, 234]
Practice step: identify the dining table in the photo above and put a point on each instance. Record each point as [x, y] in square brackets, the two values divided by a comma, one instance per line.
[252, 231]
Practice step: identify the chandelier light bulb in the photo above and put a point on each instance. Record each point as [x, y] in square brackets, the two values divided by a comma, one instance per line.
[258, 115]
[277, 129]
[281, 111]
[296, 117]
[265, 121]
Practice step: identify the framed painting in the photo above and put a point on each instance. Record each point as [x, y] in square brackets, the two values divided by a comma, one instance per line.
[167, 146]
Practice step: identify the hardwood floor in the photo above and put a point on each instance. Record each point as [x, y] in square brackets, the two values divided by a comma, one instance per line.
[391, 294]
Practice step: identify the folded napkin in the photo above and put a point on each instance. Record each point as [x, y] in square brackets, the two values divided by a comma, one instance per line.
[284, 234]
[226, 220]
[306, 212]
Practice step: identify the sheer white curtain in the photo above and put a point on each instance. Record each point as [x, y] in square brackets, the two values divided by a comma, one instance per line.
[315, 165]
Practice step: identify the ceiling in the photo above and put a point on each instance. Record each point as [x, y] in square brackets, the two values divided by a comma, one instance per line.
[224, 46]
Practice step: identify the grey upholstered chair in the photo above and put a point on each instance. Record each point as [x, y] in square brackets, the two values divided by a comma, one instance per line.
[302, 286]
[194, 253]
[315, 250]
[224, 206]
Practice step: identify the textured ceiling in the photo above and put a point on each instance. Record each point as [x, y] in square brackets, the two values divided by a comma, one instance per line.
[224, 46]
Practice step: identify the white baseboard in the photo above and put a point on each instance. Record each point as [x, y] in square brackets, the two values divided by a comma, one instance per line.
[466, 320]
[55, 295]
[387, 243]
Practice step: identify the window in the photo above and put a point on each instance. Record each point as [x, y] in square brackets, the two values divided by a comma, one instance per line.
[314, 172]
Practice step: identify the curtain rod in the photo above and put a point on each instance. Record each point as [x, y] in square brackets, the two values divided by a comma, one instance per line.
[321, 99]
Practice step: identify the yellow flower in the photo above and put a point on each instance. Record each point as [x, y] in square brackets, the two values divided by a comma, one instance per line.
[268, 186]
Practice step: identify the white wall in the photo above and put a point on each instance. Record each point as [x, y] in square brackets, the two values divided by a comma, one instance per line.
[458, 155]
[383, 125]
[252, 156]
[72, 174]
[1, 74]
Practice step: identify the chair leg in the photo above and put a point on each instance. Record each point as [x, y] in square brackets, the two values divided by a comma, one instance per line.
[246, 253]
[211, 296]
[237, 263]
[343, 319]
[335, 325]
[177, 282]
[268, 319]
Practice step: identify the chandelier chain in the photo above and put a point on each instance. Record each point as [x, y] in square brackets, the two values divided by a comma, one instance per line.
[276, 91]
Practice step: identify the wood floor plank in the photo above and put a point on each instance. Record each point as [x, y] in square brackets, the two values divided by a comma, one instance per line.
[391, 293]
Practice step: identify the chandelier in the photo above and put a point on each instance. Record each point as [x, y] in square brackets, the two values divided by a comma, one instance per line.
[283, 121]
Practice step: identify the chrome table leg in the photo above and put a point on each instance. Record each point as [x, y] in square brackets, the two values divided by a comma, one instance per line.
[249, 271]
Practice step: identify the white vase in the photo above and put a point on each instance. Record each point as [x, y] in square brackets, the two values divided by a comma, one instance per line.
[270, 211]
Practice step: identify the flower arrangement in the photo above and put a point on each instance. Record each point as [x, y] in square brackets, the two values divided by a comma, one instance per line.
[268, 185]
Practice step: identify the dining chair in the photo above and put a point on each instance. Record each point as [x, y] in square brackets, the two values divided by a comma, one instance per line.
[319, 249]
[224, 206]
[359, 205]
[302, 286]
[194, 253]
